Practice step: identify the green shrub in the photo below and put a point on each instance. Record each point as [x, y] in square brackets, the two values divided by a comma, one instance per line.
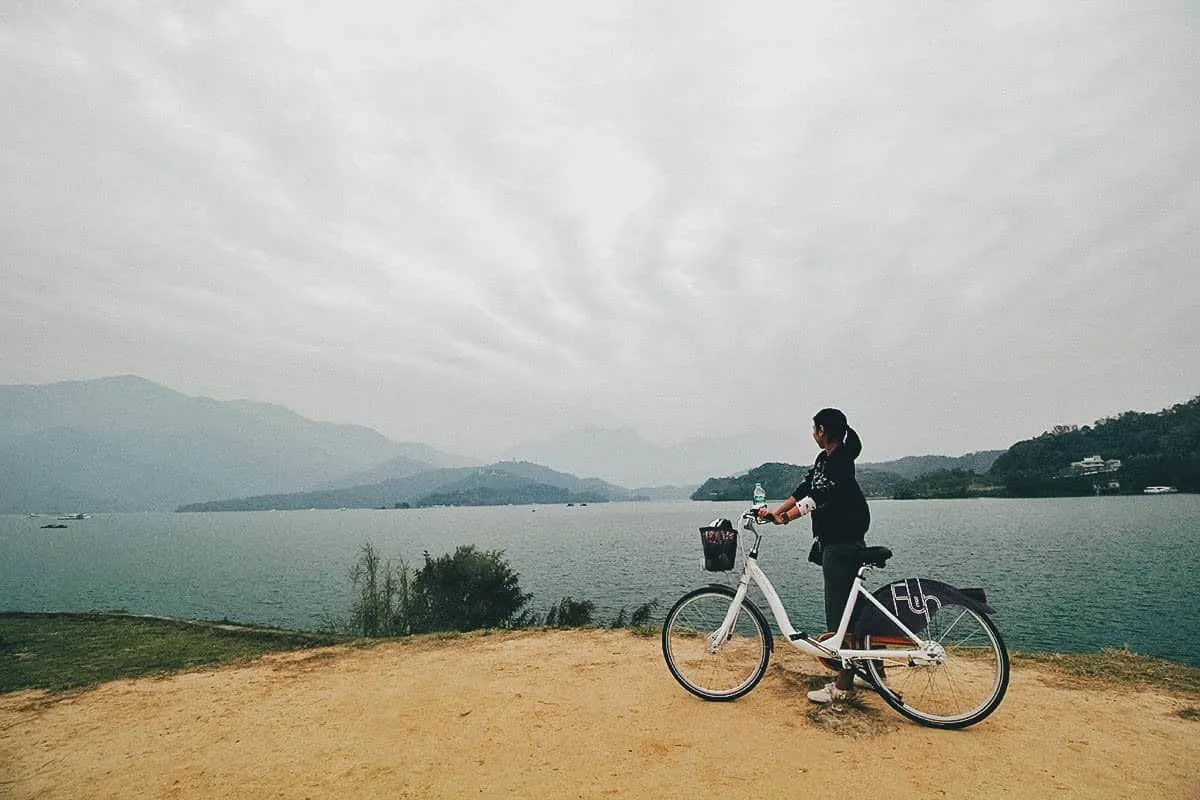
[640, 618]
[466, 590]
[570, 613]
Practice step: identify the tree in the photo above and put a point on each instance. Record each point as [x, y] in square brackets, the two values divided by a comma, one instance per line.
[467, 590]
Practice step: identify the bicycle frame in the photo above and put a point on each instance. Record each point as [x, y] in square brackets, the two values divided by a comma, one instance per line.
[923, 652]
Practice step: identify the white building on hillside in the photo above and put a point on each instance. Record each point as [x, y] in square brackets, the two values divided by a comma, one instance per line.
[1094, 465]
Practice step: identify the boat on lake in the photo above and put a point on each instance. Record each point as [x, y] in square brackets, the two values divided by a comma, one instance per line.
[1159, 490]
[76, 516]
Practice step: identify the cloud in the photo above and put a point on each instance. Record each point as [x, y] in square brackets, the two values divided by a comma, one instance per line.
[470, 223]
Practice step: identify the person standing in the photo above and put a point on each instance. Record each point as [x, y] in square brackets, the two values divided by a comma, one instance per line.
[840, 518]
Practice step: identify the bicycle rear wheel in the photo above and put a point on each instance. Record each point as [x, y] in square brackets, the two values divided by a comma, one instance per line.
[721, 670]
[962, 690]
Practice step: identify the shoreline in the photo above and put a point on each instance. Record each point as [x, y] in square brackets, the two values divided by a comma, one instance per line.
[570, 713]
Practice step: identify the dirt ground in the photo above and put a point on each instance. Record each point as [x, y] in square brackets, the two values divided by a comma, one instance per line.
[591, 714]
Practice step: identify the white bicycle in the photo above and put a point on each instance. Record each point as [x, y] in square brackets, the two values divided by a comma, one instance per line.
[928, 648]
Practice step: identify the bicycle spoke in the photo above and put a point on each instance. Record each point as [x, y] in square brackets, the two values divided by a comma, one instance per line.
[951, 626]
[964, 688]
[715, 670]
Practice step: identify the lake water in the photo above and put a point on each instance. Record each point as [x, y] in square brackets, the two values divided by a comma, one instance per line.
[1064, 574]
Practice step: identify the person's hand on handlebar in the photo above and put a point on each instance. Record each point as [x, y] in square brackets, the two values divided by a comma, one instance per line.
[776, 517]
[788, 511]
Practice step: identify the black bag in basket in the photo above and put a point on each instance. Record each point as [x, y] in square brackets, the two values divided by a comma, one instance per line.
[719, 538]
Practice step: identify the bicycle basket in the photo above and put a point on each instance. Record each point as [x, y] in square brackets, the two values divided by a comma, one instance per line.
[719, 539]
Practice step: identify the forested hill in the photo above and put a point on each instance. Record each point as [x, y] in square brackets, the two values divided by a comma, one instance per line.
[1155, 449]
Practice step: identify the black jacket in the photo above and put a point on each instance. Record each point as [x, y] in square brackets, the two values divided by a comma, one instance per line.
[841, 514]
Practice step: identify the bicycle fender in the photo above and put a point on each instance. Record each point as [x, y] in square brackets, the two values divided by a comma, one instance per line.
[911, 599]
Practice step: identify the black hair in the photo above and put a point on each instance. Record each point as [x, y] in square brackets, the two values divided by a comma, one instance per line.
[834, 423]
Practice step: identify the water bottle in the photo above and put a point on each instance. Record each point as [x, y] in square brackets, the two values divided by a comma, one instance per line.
[760, 496]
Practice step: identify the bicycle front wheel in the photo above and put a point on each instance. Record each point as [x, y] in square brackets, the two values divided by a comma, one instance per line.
[713, 670]
[967, 684]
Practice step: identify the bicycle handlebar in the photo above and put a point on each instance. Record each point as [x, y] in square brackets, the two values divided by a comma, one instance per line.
[751, 517]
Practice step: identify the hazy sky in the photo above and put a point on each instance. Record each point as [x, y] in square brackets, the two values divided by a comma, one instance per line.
[473, 223]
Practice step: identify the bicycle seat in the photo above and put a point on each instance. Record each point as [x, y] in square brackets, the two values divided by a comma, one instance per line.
[875, 556]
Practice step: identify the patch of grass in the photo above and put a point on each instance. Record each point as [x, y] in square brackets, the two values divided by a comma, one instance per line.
[1116, 667]
[1191, 713]
[57, 652]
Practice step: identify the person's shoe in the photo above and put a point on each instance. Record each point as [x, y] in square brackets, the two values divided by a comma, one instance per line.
[863, 683]
[829, 694]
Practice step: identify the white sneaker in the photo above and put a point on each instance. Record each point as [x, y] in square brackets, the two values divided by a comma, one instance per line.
[863, 683]
[830, 693]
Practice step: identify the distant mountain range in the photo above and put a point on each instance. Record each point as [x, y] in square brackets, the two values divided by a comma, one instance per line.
[502, 483]
[621, 455]
[419, 458]
[911, 467]
[128, 444]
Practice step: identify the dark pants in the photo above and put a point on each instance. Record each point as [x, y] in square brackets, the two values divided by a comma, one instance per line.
[839, 564]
